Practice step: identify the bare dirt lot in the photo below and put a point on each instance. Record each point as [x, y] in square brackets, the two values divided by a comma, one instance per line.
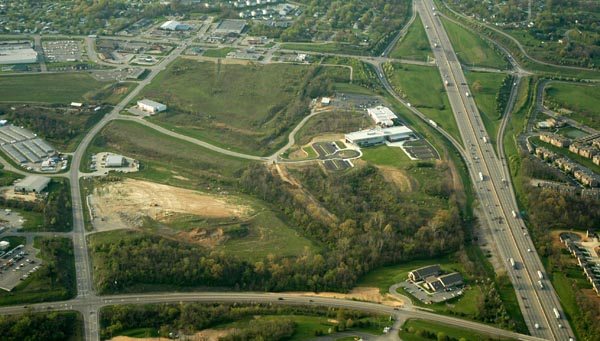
[125, 204]
[204, 335]
[369, 294]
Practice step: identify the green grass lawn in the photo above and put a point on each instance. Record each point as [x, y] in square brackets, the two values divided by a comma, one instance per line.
[61, 88]
[412, 330]
[218, 53]
[325, 48]
[485, 87]
[268, 235]
[583, 100]
[471, 48]
[414, 45]
[422, 87]
[386, 156]
[243, 107]
[570, 132]
[164, 159]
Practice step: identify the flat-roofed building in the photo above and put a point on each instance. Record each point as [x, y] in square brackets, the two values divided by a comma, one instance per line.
[17, 53]
[32, 183]
[372, 137]
[151, 106]
[113, 160]
[230, 27]
[382, 116]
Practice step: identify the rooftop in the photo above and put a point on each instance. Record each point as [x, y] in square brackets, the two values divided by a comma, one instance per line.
[231, 25]
[34, 181]
[378, 132]
[149, 102]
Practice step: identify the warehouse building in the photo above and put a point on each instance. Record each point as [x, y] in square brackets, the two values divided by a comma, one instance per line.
[17, 53]
[372, 137]
[382, 116]
[231, 27]
[115, 161]
[32, 184]
[173, 25]
[151, 106]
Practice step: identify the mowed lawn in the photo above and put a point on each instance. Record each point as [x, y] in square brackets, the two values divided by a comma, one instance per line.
[243, 107]
[485, 87]
[413, 329]
[422, 87]
[49, 88]
[414, 45]
[583, 100]
[472, 49]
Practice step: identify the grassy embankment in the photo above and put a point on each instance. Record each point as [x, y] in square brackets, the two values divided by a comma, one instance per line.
[423, 88]
[414, 45]
[162, 161]
[414, 330]
[485, 87]
[471, 49]
[242, 107]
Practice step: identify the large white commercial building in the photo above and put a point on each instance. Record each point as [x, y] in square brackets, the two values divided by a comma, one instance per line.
[17, 54]
[32, 183]
[173, 25]
[382, 116]
[371, 137]
[151, 106]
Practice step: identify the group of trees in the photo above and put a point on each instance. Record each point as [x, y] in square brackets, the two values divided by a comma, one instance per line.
[192, 317]
[375, 226]
[39, 326]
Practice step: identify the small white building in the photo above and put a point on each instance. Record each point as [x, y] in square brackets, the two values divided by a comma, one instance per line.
[151, 106]
[382, 116]
[76, 104]
[114, 161]
[4, 245]
[32, 183]
[325, 101]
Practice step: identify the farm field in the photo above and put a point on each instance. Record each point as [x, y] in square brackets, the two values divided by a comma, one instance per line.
[422, 87]
[471, 49]
[241, 107]
[74, 87]
[414, 45]
[485, 87]
[582, 100]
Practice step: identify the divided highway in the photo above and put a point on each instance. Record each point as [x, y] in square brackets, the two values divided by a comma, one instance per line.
[492, 184]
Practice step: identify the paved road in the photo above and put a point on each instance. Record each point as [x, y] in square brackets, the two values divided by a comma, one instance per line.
[91, 305]
[495, 192]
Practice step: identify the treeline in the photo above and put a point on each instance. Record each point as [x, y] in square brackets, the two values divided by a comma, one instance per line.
[55, 209]
[503, 95]
[58, 270]
[40, 326]
[191, 317]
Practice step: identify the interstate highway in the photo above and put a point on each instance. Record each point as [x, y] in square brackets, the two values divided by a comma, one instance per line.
[495, 192]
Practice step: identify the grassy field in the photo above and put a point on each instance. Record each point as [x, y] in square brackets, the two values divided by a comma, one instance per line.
[306, 327]
[414, 45]
[472, 49]
[485, 87]
[44, 286]
[413, 329]
[583, 100]
[51, 88]
[422, 87]
[386, 156]
[163, 158]
[242, 107]
[325, 48]
[336, 122]
[218, 53]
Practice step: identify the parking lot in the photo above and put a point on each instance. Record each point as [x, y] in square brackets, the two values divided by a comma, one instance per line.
[356, 101]
[17, 264]
[337, 165]
[420, 149]
[427, 297]
[62, 50]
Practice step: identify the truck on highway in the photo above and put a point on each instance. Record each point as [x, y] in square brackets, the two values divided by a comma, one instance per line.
[432, 122]
[512, 263]
[480, 176]
[556, 313]
[485, 140]
[466, 93]
[446, 82]
[514, 214]
[540, 274]
[541, 285]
